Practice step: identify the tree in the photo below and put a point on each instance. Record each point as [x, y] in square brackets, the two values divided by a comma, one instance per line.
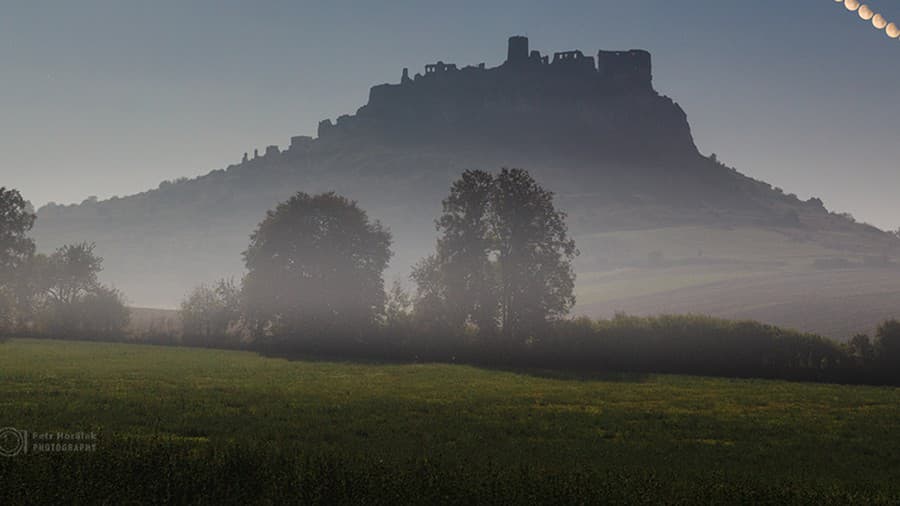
[398, 328]
[69, 273]
[315, 265]
[860, 346]
[397, 307]
[209, 311]
[534, 253]
[16, 220]
[16, 248]
[69, 297]
[464, 252]
[504, 256]
[102, 313]
[431, 311]
[887, 346]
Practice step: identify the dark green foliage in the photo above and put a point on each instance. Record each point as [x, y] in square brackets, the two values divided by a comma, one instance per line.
[681, 344]
[887, 346]
[534, 255]
[69, 273]
[102, 313]
[57, 295]
[209, 314]
[16, 220]
[468, 277]
[68, 298]
[315, 268]
[431, 312]
[861, 347]
[684, 344]
[693, 345]
[503, 260]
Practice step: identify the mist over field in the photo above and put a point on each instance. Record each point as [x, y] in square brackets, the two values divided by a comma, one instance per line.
[516, 271]
[662, 227]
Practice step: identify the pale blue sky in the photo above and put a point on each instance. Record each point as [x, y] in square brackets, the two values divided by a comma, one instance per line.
[111, 97]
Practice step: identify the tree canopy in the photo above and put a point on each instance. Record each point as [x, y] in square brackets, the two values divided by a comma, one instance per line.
[209, 311]
[503, 260]
[315, 265]
[16, 248]
[68, 298]
[16, 220]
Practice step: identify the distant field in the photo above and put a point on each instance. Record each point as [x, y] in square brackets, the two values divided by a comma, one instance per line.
[213, 427]
[762, 274]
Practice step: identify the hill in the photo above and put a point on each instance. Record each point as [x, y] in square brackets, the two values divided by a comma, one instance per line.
[619, 154]
[187, 426]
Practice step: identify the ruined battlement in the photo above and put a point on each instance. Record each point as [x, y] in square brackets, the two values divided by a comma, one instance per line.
[526, 76]
[531, 99]
[610, 71]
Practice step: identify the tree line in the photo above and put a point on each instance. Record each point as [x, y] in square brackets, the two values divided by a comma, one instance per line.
[497, 290]
[501, 272]
[55, 295]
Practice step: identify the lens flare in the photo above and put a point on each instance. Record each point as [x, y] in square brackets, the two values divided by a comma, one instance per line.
[865, 12]
[892, 31]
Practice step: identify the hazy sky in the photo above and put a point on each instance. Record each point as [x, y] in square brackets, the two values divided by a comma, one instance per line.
[111, 97]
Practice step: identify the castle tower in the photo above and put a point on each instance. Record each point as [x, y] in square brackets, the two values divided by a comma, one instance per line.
[518, 50]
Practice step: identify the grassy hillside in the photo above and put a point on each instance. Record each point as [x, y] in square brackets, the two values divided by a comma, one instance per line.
[208, 427]
[825, 282]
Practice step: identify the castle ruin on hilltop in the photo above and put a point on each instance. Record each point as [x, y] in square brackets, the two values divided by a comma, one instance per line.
[584, 107]
[619, 69]
[612, 69]
[526, 77]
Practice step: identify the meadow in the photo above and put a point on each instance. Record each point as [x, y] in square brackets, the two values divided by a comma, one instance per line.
[763, 274]
[182, 425]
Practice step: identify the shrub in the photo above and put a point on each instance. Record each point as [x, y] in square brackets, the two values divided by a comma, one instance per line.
[210, 314]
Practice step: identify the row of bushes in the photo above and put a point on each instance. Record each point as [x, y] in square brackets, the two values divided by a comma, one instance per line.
[59, 295]
[676, 344]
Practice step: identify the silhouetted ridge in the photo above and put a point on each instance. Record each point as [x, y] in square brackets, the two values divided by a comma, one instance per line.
[604, 108]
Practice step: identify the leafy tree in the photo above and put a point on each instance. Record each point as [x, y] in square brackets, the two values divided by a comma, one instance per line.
[102, 313]
[504, 256]
[16, 248]
[69, 273]
[399, 327]
[887, 345]
[860, 346]
[464, 252]
[315, 266]
[16, 220]
[534, 253]
[209, 311]
[397, 307]
[69, 297]
[430, 307]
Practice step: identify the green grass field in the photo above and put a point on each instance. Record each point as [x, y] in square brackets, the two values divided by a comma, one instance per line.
[180, 425]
